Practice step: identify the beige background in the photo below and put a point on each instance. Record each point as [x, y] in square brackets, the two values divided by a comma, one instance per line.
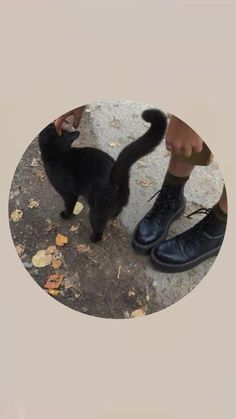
[59, 364]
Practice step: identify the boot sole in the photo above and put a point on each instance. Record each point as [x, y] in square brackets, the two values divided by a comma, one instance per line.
[145, 249]
[168, 268]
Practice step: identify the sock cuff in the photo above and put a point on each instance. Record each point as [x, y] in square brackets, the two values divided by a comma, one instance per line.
[172, 180]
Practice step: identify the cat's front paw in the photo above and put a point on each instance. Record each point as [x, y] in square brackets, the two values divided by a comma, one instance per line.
[64, 215]
[96, 237]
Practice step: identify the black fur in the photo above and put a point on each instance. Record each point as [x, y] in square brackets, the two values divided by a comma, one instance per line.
[94, 174]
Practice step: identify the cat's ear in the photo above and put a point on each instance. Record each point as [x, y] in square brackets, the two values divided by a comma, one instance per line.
[70, 136]
[73, 135]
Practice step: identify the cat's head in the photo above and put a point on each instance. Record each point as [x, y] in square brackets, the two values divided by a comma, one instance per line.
[67, 138]
[64, 141]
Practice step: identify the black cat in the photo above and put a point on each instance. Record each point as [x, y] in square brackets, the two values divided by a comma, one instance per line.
[94, 174]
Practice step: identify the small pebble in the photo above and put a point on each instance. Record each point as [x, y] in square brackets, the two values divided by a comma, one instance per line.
[28, 265]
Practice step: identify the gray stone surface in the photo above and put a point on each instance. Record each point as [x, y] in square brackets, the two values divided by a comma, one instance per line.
[114, 124]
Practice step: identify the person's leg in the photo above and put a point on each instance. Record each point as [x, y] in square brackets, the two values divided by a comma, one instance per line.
[223, 203]
[195, 245]
[180, 169]
[187, 151]
[169, 205]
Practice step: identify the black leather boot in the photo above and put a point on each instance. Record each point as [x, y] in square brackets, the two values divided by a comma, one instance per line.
[191, 247]
[154, 227]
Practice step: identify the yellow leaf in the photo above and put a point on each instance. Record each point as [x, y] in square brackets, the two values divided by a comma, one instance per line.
[138, 313]
[114, 144]
[53, 292]
[33, 203]
[78, 208]
[144, 183]
[74, 228]
[61, 240]
[41, 259]
[16, 215]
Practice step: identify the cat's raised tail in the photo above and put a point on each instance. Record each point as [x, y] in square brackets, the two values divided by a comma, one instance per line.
[140, 147]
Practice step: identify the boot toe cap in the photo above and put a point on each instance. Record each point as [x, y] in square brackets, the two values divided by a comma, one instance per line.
[168, 252]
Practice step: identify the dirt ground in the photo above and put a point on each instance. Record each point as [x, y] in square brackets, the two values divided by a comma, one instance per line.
[107, 280]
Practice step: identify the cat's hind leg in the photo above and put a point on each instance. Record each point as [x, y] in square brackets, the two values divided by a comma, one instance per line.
[69, 201]
[98, 224]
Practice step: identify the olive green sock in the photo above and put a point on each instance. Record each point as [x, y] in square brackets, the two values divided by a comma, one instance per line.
[172, 180]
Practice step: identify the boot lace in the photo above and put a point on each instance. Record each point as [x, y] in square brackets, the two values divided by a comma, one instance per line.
[162, 204]
[193, 235]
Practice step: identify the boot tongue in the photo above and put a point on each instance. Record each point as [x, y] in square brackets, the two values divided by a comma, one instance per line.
[166, 199]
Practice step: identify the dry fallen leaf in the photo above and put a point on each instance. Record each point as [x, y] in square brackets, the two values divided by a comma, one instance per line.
[40, 176]
[141, 164]
[61, 240]
[13, 194]
[114, 223]
[138, 313]
[78, 208]
[20, 248]
[115, 123]
[54, 281]
[33, 203]
[56, 263]
[50, 225]
[35, 162]
[114, 144]
[144, 183]
[82, 248]
[50, 250]
[131, 293]
[41, 259]
[74, 228]
[16, 215]
[57, 259]
[57, 255]
[53, 292]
